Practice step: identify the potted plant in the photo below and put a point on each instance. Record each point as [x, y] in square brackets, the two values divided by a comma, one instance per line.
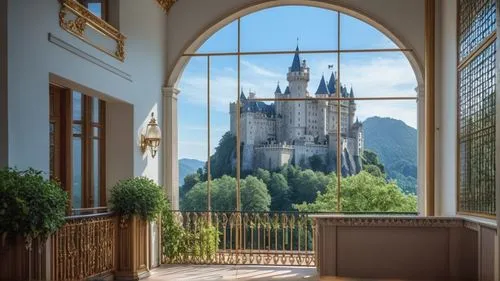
[31, 209]
[137, 201]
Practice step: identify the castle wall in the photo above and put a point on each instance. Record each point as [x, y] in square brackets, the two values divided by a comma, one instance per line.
[303, 152]
[273, 157]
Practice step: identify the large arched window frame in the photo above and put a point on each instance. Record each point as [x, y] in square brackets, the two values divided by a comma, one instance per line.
[338, 52]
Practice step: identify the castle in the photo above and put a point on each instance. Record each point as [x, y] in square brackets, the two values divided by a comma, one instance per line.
[290, 132]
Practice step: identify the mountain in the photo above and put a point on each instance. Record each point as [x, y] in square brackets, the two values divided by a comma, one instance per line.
[396, 145]
[188, 166]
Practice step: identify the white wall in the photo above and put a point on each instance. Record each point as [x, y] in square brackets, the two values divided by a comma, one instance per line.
[189, 19]
[32, 58]
[446, 111]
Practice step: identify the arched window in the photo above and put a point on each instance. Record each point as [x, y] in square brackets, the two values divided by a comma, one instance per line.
[260, 64]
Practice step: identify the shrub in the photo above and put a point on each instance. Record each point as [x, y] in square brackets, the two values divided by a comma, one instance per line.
[30, 205]
[138, 196]
[180, 244]
[173, 237]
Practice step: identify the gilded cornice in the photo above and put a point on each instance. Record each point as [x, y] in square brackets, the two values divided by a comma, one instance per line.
[76, 19]
[390, 221]
[166, 4]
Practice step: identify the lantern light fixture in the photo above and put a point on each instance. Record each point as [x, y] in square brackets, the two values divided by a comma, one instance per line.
[151, 138]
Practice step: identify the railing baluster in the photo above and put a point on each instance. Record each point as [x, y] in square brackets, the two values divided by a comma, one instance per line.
[261, 238]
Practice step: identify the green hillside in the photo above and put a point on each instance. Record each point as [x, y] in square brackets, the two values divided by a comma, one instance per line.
[188, 166]
[396, 145]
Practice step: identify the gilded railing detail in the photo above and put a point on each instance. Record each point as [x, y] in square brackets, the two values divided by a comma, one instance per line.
[258, 238]
[166, 4]
[84, 247]
[77, 20]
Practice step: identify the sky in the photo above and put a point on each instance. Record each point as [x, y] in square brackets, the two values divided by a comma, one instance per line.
[377, 74]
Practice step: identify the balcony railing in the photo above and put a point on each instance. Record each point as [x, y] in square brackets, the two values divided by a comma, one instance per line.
[84, 247]
[259, 238]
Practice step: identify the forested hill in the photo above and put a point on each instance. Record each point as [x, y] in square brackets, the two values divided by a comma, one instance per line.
[396, 145]
[188, 166]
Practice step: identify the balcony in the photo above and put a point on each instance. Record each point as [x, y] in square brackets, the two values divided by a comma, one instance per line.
[262, 246]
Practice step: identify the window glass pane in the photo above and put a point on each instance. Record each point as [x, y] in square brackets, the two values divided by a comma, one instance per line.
[477, 20]
[95, 110]
[300, 73]
[390, 132]
[95, 132]
[477, 111]
[77, 106]
[224, 40]
[96, 9]
[77, 129]
[280, 28]
[96, 170]
[77, 173]
[377, 74]
[366, 36]
[193, 132]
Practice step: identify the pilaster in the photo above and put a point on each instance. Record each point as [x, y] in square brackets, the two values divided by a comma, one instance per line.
[170, 146]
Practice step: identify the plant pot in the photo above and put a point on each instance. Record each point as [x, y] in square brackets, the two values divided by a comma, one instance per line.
[133, 249]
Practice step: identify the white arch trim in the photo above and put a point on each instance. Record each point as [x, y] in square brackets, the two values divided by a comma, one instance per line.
[181, 62]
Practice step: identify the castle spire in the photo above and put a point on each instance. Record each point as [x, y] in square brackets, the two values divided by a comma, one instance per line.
[332, 84]
[296, 60]
[287, 90]
[242, 96]
[322, 88]
[278, 89]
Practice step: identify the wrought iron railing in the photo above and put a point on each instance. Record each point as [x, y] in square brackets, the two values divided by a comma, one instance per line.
[84, 247]
[260, 238]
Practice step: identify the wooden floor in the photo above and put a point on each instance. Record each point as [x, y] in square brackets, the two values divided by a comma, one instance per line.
[243, 272]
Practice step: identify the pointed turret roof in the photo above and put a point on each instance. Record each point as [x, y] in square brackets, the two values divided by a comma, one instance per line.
[278, 89]
[332, 84]
[287, 90]
[351, 93]
[296, 61]
[322, 88]
[242, 96]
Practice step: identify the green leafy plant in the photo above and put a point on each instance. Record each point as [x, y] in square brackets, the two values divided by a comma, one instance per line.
[173, 237]
[181, 244]
[30, 205]
[138, 196]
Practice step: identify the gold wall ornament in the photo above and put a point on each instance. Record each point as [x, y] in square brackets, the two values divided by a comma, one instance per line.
[166, 4]
[77, 19]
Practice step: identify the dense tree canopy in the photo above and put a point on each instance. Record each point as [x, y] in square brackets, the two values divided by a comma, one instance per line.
[362, 193]
[254, 195]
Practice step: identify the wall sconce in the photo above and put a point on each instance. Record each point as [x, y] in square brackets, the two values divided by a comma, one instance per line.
[151, 139]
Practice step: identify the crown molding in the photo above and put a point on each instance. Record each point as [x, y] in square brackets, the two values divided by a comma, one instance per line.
[166, 4]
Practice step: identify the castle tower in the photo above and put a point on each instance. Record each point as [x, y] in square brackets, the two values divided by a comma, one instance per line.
[351, 111]
[298, 79]
[322, 92]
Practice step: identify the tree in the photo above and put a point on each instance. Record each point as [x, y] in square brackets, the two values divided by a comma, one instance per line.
[373, 170]
[254, 195]
[280, 193]
[316, 163]
[221, 163]
[189, 182]
[362, 193]
[264, 175]
[305, 184]
[371, 158]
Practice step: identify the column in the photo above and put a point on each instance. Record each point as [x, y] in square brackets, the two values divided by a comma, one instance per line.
[170, 146]
[430, 17]
[421, 148]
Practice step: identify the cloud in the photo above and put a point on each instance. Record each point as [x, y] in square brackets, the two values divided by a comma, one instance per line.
[260, 70]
